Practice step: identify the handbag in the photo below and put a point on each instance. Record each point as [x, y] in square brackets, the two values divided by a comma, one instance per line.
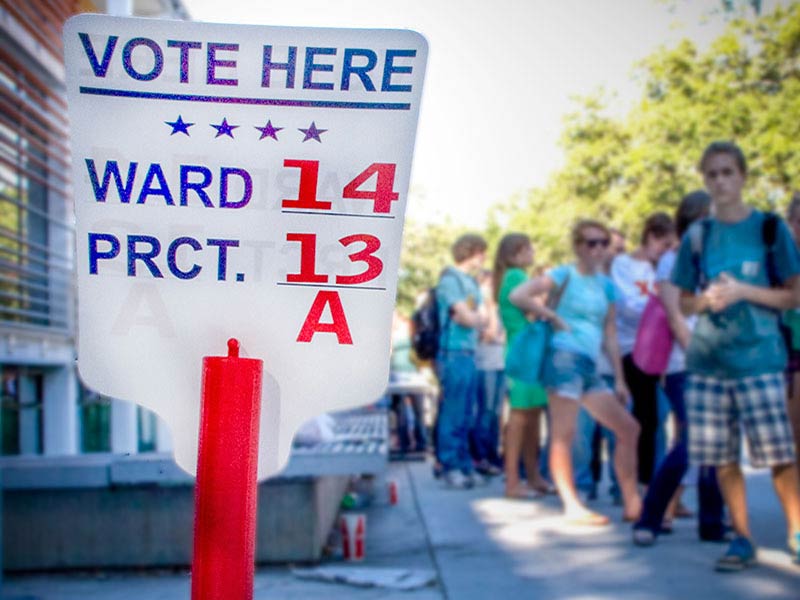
[526, 352]
[654, 339]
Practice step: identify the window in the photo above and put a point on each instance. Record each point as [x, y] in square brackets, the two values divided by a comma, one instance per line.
[36, 234]
[95, 415]
[21, 413]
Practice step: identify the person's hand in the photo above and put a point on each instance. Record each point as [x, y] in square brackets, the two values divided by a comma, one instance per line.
[557, 323]
[621, 392]
[725, 291]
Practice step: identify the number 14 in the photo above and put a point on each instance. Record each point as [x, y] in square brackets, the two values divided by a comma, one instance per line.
[382, 196]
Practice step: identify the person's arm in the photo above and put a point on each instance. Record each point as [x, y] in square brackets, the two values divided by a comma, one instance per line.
[611, 346]
[727, 290]
[468, 317]
[693, 304]
[524, 297]
[493, 333]
[670, 296]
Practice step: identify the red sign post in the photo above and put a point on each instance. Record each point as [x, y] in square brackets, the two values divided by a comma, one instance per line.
[226, 492]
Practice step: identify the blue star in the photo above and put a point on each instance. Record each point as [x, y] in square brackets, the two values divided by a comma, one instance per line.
[179, 126]
[269, 131]
[312, 133]
[224, 128]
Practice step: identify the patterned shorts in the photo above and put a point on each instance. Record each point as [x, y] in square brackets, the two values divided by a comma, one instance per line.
[719, 408]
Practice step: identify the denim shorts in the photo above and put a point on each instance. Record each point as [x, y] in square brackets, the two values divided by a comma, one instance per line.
[572, 375]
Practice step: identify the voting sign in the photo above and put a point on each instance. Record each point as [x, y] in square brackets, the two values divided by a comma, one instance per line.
[239, 181]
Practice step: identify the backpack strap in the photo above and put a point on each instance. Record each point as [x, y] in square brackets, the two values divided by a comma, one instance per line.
[698, 234]
[769, 234]
[448, 315]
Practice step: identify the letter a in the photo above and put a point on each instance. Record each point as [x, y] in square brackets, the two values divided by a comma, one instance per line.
[338, 326]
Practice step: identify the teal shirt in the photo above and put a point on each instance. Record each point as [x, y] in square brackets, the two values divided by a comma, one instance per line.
[744, 339]
[584, 306]
[456, 286]
[514, 319]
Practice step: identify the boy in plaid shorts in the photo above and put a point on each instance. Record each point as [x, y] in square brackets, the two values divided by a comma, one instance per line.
[738, 281]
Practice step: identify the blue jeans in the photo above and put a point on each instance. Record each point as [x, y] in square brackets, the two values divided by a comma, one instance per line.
[409, 412]
[670, 473]
[485, 430]
[458, 379]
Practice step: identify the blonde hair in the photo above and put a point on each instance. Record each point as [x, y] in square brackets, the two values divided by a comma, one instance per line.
[583, 225]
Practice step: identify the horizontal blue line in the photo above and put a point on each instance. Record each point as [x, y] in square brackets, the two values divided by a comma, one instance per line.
[234, 100]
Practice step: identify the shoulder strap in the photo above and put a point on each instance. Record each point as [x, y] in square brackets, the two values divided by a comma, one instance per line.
[769, 234]
[554, 299]
[698, 234]
[769, 229]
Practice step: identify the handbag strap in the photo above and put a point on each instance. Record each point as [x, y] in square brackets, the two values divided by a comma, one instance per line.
[554, 298]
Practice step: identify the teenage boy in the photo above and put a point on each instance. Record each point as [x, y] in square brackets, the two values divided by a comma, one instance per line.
[738, 270]
[459, 298]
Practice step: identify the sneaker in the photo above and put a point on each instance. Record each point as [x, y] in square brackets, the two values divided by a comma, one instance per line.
[740, 555]
[456, 480]
[643, 536]
[477, 479]
[486, 468]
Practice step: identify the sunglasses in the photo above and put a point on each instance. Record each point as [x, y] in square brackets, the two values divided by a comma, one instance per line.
[594, 243]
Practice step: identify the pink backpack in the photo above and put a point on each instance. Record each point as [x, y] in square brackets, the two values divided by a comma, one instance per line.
[653, 339]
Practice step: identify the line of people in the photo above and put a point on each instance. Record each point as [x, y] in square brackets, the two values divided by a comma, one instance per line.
[697, 314]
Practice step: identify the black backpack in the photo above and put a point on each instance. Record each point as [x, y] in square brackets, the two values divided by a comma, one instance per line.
[425, 327]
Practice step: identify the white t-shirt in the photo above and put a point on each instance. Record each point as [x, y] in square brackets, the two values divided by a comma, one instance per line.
[635, 281]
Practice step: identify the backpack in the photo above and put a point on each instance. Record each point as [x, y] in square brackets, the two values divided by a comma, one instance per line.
[425, 327]
[698, 233]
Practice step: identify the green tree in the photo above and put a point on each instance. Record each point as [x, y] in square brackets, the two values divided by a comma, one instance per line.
[425, 252]
[745, 88]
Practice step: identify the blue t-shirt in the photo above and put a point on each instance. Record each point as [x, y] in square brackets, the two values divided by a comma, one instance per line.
[744, 339]
[584, 306]
[456, 286]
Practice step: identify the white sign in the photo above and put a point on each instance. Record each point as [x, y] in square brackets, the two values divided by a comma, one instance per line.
[239, 181]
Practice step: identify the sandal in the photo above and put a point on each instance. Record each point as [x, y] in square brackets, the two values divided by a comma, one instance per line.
[630, 518]
[545, 489]
[523, 493]
[588, 519]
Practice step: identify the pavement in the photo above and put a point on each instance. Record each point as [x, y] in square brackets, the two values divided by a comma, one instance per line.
[479, 545]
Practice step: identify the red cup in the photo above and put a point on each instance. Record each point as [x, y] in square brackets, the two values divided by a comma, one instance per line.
[354, 532]
[394, 495]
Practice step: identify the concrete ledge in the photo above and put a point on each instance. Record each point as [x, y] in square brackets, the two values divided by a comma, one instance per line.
[106, 510]
[152, 526]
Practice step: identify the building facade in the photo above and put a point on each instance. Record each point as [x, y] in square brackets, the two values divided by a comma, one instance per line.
[44, 409]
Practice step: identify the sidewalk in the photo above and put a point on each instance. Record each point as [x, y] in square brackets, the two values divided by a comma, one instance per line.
[483, 546]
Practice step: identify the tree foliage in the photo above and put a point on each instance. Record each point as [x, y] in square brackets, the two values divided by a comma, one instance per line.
[744, 88]
[425, 252]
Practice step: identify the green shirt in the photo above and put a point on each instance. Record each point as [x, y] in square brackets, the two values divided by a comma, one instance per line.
[512, 317]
